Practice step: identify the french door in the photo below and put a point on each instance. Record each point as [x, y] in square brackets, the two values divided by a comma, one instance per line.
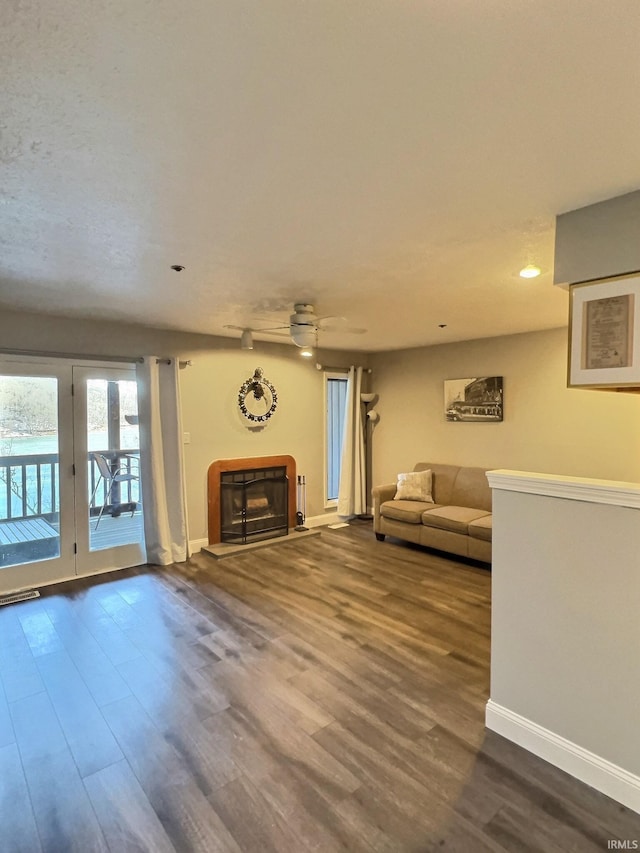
[108, 507]
[70, 502]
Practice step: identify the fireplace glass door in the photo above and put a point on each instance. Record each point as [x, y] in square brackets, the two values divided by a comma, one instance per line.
[253, 504]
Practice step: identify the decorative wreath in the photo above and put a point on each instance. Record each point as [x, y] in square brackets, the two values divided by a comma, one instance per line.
[257, 388]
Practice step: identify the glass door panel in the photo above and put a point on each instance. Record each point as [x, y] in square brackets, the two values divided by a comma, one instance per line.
[36, 486]
[108, 500]
[113, 463]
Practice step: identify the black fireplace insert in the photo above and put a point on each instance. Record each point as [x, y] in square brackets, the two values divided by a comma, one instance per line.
[254, 504]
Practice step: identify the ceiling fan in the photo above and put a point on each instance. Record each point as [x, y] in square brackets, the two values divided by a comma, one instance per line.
[302, 328]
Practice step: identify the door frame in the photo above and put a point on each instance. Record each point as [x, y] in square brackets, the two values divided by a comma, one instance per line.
[47, 571]
[72, 562]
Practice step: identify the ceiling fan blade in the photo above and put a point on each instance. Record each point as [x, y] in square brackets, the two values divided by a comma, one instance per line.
[274, 332]
[255, 329]
[335, 317]
[348, 330]
[273, 328]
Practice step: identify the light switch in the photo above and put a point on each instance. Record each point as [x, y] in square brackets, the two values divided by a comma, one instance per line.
[186, 438]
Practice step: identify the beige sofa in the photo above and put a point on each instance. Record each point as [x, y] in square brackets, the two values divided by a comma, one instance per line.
[459, 520]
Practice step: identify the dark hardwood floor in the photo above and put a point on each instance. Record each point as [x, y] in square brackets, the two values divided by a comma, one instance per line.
[323, 695]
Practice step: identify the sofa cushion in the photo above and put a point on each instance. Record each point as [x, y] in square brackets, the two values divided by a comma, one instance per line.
[443, 478]
[414, 486]
[471, 488]
[481, 528]
[409, 511]
[454, 518]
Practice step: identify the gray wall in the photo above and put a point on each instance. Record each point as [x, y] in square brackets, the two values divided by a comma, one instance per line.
[598, 241]
[565, 626]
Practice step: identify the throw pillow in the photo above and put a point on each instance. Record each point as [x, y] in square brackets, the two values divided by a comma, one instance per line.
[414, 486]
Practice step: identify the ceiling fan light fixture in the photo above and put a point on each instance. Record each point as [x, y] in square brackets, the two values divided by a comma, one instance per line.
[303, 336]
[246, 339]
[306, 352]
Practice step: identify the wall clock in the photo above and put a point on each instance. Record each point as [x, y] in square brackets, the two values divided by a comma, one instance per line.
[257, 398]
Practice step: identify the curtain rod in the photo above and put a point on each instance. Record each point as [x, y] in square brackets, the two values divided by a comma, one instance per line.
[342, 368]
[81, 356]
[186, 363]
[87, 356]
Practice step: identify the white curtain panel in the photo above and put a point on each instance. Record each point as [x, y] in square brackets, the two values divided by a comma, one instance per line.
[352, 491]
[161, 461]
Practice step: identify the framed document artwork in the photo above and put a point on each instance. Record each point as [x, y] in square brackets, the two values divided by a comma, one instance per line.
[604, 333]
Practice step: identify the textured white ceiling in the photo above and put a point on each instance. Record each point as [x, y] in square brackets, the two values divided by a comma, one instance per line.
[395, 162]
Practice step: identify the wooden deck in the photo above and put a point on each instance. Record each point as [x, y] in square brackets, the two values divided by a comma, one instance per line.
[121, 530]
[26, 530]
[28, 539]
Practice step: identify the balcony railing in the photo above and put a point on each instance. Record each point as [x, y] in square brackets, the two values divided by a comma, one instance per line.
[29, 484]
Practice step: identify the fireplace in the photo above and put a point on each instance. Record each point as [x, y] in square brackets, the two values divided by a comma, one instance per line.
[262, 486]
[253, 504]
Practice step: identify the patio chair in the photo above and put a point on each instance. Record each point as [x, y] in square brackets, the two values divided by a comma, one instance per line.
[111, 477]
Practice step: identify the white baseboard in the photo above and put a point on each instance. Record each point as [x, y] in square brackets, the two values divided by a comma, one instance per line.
[603, 775]
[321, 520]
[196, 545]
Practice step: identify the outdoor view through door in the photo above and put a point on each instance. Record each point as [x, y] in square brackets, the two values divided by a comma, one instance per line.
[29, 469]
[113, 443]
[69, 471]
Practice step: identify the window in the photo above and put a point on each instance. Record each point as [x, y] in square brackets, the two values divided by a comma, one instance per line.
[336, 397]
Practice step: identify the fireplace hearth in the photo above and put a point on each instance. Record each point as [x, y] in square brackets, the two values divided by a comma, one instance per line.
[253, 504]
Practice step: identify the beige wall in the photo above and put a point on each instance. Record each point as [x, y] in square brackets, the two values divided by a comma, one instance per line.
[218, 430]
[546, 428]
[209, 394]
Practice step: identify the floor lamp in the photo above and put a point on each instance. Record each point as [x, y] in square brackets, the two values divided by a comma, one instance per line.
[371, 417]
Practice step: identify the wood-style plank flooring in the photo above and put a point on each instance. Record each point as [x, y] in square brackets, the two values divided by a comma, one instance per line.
[322, 696]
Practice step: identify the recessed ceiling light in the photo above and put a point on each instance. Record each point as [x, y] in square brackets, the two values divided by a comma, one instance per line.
[530, 271]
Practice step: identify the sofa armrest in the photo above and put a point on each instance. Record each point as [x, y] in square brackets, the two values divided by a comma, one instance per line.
[384, 493]
[380, 495]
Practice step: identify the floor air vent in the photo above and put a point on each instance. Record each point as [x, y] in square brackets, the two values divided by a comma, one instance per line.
[19, 596]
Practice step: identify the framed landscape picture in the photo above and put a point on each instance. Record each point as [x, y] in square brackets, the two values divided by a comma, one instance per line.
[475, 399]
[604, 334]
